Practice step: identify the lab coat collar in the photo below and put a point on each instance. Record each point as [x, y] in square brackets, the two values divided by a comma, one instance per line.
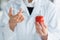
[37, 7]
[35, 11]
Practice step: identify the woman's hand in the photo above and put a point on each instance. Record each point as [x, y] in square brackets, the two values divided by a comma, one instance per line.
[42, 30]
[14, 19]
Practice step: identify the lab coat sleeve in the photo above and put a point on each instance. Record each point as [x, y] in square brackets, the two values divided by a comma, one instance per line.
[8, 34]
[52, 22]
[1, 35]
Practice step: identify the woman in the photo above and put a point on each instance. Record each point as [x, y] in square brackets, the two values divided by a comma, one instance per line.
[19, 20]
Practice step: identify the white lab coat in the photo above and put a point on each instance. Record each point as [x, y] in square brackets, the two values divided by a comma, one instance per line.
[1, 33]
[26, 29]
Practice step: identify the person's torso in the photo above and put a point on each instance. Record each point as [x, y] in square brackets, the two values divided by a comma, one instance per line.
[26, 29]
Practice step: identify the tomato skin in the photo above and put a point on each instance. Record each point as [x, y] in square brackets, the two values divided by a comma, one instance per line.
[39, 19]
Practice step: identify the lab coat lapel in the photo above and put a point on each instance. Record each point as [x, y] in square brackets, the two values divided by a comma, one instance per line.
[24, 8]
[30, 23]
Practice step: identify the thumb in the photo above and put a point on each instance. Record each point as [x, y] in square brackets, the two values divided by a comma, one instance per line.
[20, 12]
[10, 11]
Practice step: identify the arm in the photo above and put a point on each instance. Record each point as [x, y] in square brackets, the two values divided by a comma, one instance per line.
[52, 22]
[14, 19]
[8, 34]
[9, 22]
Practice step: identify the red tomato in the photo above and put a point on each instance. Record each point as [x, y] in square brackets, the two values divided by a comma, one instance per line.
[39, 19]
